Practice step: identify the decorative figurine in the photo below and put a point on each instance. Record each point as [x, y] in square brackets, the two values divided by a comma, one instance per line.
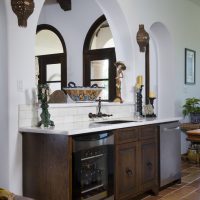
[149, 108]
[139, 100]
[120, 68]
[43, 96]
[138, 91]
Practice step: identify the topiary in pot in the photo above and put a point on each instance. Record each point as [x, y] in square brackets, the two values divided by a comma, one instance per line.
[192, 108]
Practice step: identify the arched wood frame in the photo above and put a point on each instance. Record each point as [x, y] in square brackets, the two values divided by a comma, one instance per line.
[53, 58]
[107, 53]
[41, 27]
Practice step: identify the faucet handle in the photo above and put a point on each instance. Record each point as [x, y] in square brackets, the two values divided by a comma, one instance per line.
[90, 115]
[106, 115]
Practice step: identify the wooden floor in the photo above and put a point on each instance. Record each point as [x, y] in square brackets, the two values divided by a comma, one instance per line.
[189, 189]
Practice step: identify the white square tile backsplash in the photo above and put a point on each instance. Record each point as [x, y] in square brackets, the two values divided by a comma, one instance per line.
[29, 115]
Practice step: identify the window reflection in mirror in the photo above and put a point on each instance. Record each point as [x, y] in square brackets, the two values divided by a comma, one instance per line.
[102, 37]
[50, 55]
[99, 57]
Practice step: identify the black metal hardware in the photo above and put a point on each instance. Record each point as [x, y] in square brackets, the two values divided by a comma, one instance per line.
[149, 165]
[129, 172]
[99, 114]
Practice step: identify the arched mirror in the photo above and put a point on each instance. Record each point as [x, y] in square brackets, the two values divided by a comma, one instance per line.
[50, 52]
[97, 42]
[99, 58]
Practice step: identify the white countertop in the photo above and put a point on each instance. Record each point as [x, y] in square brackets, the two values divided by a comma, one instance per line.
[92, 126]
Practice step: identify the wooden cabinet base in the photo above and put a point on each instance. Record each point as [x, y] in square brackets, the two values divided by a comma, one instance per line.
[136, 162]
[46, 161]
[47, 164]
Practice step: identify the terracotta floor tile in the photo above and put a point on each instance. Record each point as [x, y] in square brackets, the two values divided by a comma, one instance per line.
[180, 193]
[186, 165]
[191, 169]
[152, 198]
[192, 196]
[198, 191]
[195, 183]
[189, 189]
[184, 173]
[191, 177]
[167, 191]
[177, 186]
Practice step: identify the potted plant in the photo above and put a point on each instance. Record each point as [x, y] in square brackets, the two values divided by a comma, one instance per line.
[192, 108]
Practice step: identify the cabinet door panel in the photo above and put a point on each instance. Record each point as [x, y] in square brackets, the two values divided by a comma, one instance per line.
[148, 132]
[46, 166]
[126, 135]
[126, 170]
[149, 164]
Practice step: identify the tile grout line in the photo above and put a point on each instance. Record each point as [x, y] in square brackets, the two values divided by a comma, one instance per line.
[189, 193]
[187, 184]
[180, 188]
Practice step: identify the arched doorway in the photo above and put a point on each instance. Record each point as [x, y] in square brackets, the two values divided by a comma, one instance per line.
[163, 42]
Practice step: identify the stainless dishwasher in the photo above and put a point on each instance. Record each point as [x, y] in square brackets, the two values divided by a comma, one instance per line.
[170, 153]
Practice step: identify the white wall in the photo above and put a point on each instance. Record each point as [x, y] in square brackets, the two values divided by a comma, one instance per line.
[184, 29]
[4, 166]
[124, 17]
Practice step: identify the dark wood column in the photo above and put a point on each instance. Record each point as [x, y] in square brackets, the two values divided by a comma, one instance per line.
[65, 4]
[147, 74]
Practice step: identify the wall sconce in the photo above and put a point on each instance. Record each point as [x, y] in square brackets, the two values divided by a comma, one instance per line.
[143, 42]
[65, 4]
[23, 9]
[142, 38]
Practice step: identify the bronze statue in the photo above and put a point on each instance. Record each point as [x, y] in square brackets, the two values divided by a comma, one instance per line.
[120, 66]
[43, 96]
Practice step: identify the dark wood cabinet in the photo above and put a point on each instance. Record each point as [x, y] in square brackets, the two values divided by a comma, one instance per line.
[149, 172]
[136, 161]
[126, 168]
[46, 166]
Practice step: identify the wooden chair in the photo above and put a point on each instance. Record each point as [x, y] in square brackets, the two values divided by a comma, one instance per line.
[58, 96]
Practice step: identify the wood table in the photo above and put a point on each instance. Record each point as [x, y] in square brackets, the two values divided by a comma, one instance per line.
[193, 135]
[189, 126]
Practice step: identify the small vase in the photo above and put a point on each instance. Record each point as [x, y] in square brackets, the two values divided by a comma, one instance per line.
[195, 118]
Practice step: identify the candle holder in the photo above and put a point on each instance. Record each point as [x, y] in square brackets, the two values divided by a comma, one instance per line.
[150, 113]
[139, 100]
[43, 95]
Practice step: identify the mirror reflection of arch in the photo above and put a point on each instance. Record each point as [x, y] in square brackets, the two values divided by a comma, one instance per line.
[99, 57]
[50, 52]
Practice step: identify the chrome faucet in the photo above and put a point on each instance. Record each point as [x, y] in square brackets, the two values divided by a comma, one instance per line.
[99, 114]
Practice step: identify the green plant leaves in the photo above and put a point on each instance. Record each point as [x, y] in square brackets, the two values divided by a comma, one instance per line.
[192, 105]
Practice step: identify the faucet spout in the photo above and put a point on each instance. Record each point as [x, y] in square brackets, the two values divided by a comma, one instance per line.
[99, 114]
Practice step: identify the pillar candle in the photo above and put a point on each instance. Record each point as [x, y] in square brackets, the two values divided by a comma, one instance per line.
[140, 80]
[138, 86]
[152, 94]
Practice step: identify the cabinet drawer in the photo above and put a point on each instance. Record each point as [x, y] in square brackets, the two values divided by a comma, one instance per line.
[127, 174]
[148, 132]
[126, 135]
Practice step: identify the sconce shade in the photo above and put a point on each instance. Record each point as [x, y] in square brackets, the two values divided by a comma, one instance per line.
[142, 38]
[23, 9]
[65, 4]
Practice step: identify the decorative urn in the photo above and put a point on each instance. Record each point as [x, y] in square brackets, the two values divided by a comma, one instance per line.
[23, 9]
[142, 38]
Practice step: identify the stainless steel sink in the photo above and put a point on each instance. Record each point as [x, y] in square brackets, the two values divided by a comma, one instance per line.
[115, 122]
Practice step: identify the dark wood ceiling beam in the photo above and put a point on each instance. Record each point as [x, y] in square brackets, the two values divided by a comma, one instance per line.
[65, 4]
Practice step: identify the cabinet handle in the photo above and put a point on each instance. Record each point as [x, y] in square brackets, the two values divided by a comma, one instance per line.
[149, 165]
[129, 172]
